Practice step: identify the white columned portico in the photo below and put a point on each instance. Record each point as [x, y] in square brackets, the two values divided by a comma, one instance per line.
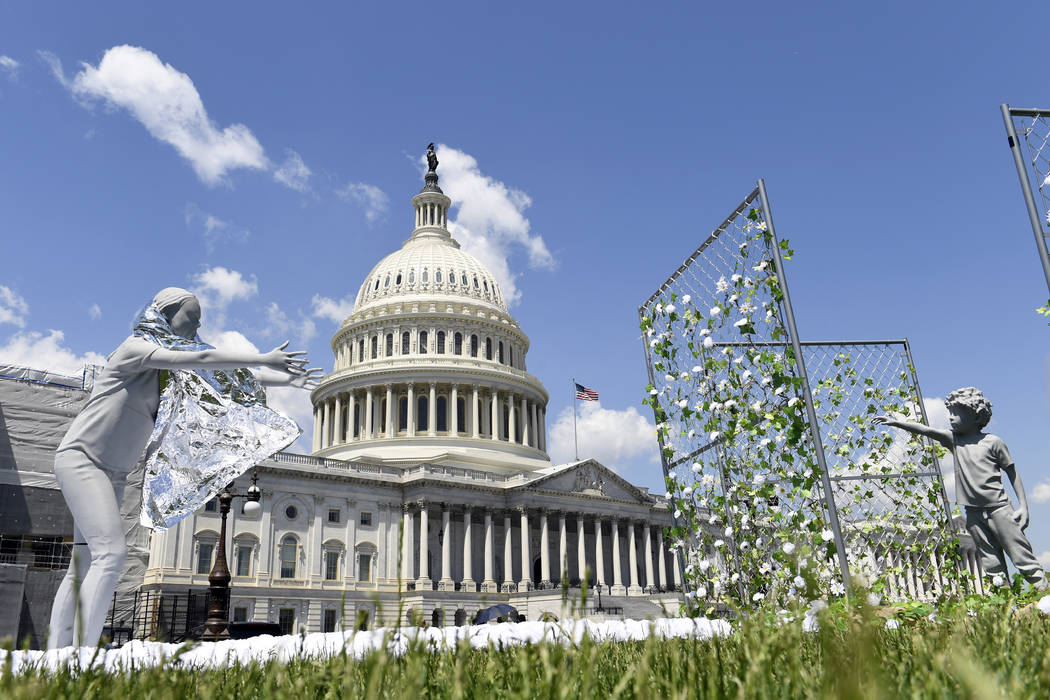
[410, 429]
[452, 412]
[467, 583]
[563, 547]
[526, 561]
[489, 585]
[599, 553]
[581, 551]
[508, 555]
[391, 427]
[424, 552]
[617, 587]
[432, 410]
[662, 562]
[545, 559]
[474, 412]
[650, 581]
[494, 416]
[632, 559]
[446, 583]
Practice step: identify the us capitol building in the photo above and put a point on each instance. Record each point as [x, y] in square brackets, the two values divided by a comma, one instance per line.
[429, 492]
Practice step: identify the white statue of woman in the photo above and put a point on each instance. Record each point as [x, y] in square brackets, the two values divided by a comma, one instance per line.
[106, 440]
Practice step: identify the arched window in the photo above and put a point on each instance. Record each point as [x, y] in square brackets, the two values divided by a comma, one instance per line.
[461, 414]
[500, 352]
[206, 542]
[511, 349]
[463, 279]
[397, 280]
[488, 348]
[475, 281]
[424, 339]
[422, 413]
[442, 414]
[387, 282]
[457, 344]
[243, 551]
[389, 344]
[412, 276]
[405, 338]
[441, 343]
[361, 350]
[289, 553]
[424, 278]
[377, 283]
[437, 276]
[402, 413]
[473, 346]
[485, 284]
[505, 435]
[375, 346]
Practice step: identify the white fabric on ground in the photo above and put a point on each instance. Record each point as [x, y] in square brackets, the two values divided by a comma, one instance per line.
[139, 654]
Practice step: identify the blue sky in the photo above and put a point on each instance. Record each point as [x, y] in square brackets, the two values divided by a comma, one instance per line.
[597, 147]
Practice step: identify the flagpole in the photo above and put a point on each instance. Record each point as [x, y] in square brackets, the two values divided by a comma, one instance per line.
[576, 445]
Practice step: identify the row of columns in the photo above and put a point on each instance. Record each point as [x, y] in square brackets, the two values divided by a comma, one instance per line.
[431, 214]
[356, 349]
[353, 416]
[655, 560]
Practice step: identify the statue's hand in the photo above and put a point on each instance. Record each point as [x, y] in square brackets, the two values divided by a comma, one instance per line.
[882, 420]
[307, 380]
[288, 362]
[1022, 517]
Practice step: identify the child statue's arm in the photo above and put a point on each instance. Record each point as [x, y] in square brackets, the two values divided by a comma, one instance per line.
[1021, 515]
[944, 437]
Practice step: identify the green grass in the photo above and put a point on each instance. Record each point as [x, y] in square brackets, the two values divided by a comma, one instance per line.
[999, 652]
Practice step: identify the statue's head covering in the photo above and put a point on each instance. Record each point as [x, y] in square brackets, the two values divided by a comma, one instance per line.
[169, 296]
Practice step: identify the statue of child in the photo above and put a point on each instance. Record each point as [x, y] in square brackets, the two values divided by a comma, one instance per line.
[979, 457]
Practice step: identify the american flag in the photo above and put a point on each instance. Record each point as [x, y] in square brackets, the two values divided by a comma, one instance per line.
[585, 394]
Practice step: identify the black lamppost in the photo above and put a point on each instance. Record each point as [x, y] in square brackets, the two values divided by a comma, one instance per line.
[216, 627]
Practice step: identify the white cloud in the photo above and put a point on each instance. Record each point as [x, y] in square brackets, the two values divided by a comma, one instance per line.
[605, 434]
[46, 351]
[166, 102]
[293, 172]
[373, 199]
[279, 325]
[217, 288]
[335, 311]
[214, 230]
[1040, 492]
[13, 308]
[490, 220]
[95, 312]
[1044, 559]
[10, 66]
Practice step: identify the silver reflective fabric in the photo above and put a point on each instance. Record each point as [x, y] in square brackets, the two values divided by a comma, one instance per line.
[212, 426]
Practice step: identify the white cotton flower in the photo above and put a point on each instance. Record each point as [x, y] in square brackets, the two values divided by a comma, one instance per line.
[735, 577]
[683, 375]
[779, 390]
[714, 311]
[653, 342]
[729, 403]
[692, 434]
[677, 514]
[697, 468]
[718, 543]
[669, 377]
[667, 495]
[716, 406]
[767, 380]
[703, 565]
[653, 392]
[788, 547]
[683, 403]
[697, 369]
[758, 479]
[792, 401]
[669, 308]
[705, 331]
[758, 596]
[714, 435]
[827, 535]
[741, 323]
[764, 441]
[733, 298]
[735, 278]
[729, 532]
[998, 581]
[708, 342]
[687, 491]
[799, 582]
[686, 298]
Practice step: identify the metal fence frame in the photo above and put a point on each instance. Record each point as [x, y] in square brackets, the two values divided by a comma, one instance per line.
[759, 197]
[1013, 118]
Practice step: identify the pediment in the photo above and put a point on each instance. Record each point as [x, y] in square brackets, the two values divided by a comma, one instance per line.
[589, 478]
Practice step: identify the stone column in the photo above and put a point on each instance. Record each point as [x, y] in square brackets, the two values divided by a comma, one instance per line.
[563, 547]
[545, 556]
[446, 583]
[391, 426]
[599, 553]
[650, 580]
[432, 410]
[317, 428]
[541, 428]
[452, 408]
[526, 561]
[662, 568]
[508, 555]
[512, 428]
[632, 559]
[474, 415]
[489, 585]
[408, 547]
[326, 433]
[534, 428]
[524, 422]
[424, 581]
[617, 587]
[338, 437]
[467, 584]
[581, 550]
[494, 423]
[367, 432]
[410, 429]
[677, 570]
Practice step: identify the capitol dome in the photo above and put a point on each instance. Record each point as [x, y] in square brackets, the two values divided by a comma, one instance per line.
[430, 365]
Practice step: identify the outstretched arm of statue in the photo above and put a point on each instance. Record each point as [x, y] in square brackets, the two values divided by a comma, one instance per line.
[290, 363]
[944, 437]
[1021, 514]
[308, 380]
